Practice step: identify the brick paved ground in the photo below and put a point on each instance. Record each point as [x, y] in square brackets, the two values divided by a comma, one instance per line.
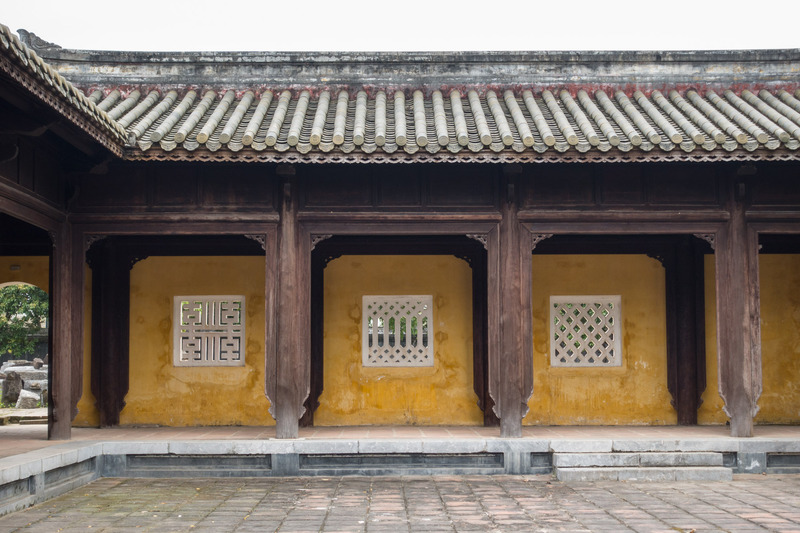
[393, 504]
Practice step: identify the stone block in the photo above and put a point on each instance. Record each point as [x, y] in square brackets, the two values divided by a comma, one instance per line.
[757, 445]
[697, 473]
[580, 446]
[201, 447]
[27, 400]
[327, 446]
[595, 459]
[12, 385]
[135, 448]
[647, 474]
[518, 445]
[454, 446]
[577, 475]
[680, 459]
[390, 446]
[751, 462]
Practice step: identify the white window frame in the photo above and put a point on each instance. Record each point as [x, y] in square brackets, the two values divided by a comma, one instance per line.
[586, 330]
[393, 353]
[214, 338]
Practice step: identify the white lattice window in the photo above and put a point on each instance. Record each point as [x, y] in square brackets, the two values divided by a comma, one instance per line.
[397, 331]
[208, 330]
[585, 331]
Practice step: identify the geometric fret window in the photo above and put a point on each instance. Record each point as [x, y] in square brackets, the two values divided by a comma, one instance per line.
[397, 331]
[208, 330]
[585, 331]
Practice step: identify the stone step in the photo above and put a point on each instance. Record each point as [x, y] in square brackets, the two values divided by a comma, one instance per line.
[683, 473]
[637, 459]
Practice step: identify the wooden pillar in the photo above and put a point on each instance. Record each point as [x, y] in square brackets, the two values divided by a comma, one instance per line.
[316, 377]
[683, 269]
[510, 341]
[65, 324]
[738, 334]
[292, 379]
[110, 327]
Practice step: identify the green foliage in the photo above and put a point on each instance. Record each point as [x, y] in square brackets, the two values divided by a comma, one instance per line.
[23, 311]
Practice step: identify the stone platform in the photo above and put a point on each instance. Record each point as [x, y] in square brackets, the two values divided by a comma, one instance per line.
[572, 454]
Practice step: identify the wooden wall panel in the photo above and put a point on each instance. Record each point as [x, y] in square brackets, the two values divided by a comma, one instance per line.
[682, 185]
[398, 187]
[175, 191]
[777, 190]
[469, 186]
[557, 186]
[338, 190]
[621, 185]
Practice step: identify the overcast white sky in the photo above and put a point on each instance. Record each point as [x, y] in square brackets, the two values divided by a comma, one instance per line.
[409, 25]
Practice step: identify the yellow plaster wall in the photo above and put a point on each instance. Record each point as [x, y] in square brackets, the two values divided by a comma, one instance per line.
[780, 339]
[161, 393]
[32, 269]
[355, 395]
[633, 394]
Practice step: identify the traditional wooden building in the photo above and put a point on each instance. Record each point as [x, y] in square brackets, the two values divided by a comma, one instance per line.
[408, 238]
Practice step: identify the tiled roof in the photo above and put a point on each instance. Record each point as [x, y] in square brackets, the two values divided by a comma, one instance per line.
[24, 65]
[383, 108]
[519, 123]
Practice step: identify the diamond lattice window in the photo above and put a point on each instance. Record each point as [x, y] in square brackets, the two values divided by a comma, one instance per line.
[208, 330]
[397, 331]
[585, 331]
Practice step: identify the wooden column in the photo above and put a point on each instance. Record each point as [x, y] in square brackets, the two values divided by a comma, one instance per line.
[111, 266]
[683, 269]
[738, 327]
[317, 369]
[510, 342]
[65, 324]
[292, 379]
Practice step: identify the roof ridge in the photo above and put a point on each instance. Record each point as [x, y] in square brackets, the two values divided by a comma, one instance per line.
[64, 90]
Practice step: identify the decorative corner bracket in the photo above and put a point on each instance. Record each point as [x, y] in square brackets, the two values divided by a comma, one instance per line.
[260, 238]
[482, 238]
[710, 238]
[536, 238]
[89, 240]
[318, 238]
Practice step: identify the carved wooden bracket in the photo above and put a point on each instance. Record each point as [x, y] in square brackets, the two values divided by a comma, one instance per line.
[482, 238]
[89, 240]
[708, 237]
[260, 238]
[318, 238]
[536, 238]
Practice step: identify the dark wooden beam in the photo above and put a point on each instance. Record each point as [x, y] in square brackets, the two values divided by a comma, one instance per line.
[111, 263]
[738, 314]
[293, 317]
[510, 351]
[65, 325]
[683, 272]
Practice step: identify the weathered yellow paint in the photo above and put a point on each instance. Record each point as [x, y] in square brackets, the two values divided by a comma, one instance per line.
[442, 394]
[161, 393]
[633, 394]
[33, 269]
[780, 339]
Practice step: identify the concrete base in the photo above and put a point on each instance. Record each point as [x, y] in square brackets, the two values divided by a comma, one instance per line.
[35, 476]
